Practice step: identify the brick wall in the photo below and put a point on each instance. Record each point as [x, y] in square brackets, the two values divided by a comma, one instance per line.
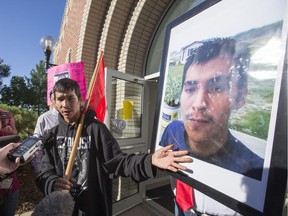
[123, 29]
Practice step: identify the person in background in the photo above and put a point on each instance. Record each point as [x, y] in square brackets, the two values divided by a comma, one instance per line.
[98, 157]
[214, 84]
[9, 186]
[7, 124]
[44, 123]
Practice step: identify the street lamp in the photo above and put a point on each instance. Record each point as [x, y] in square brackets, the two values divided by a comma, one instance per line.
[47, 43]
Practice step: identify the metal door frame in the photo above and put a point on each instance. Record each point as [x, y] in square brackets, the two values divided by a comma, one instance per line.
[130, 145]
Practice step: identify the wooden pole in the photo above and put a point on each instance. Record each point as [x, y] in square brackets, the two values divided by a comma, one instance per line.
[80, 126]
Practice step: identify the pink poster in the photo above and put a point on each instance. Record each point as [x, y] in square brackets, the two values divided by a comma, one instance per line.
[73, 71]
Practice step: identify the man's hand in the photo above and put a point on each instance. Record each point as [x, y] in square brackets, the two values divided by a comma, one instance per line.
[164, 158]
[62, 184]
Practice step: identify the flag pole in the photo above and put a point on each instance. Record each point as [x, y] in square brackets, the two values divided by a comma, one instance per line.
[80, 125]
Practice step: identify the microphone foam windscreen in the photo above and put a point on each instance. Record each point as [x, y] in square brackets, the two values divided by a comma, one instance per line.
[58, 203]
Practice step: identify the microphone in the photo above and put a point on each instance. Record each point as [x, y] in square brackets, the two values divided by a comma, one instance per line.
[5, 140]
[58, 203]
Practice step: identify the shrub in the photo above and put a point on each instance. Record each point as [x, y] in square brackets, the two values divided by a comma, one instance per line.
[25, 120]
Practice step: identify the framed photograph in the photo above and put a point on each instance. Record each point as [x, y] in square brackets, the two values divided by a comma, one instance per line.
[223, 97]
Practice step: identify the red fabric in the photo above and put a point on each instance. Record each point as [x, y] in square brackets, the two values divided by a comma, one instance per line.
[184, 195]
[9, 121]
[98, 99]
[3, 134]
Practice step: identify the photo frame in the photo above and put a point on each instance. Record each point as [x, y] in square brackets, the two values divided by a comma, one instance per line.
[260, 124]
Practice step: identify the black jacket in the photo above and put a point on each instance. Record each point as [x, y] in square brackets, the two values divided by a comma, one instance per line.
[98, 160]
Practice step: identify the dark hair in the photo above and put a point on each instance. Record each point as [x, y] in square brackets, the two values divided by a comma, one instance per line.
[50, 94]
[212, 48]
[66, 84]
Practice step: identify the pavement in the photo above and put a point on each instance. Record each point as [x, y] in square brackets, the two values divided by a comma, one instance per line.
[25, 214]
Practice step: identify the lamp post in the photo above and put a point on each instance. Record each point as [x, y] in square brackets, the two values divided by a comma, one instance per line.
[47, 43]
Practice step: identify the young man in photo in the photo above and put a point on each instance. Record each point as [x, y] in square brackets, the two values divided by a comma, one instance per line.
[214, 84]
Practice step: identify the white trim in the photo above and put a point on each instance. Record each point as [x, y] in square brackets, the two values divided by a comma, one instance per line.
[152, 76]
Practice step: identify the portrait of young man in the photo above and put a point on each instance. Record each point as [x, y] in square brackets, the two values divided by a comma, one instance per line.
[224, 117]
[214, 84]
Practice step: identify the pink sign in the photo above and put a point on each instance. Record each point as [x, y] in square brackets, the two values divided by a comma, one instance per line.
[73, 71]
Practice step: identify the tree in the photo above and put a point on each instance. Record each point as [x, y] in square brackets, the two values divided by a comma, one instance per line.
[25, 120]
[37, 85]
[17, 93]
[29, 93]
[4, 71]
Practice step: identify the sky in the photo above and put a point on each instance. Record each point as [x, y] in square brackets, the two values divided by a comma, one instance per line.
[22, 24]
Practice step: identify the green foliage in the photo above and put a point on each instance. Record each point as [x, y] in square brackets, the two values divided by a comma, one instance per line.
[173, 92]
[16, 94]
[25, 97]
[25, 120]
[37, 86]
[255, 123]
[29, 93]
[173, 85]
[254, 117]
[4, 71]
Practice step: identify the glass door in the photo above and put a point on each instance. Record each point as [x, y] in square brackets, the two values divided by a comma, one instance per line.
[127, 119]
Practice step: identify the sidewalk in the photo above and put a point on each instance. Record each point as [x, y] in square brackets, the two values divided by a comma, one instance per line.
[24, 214]
[158, 202]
